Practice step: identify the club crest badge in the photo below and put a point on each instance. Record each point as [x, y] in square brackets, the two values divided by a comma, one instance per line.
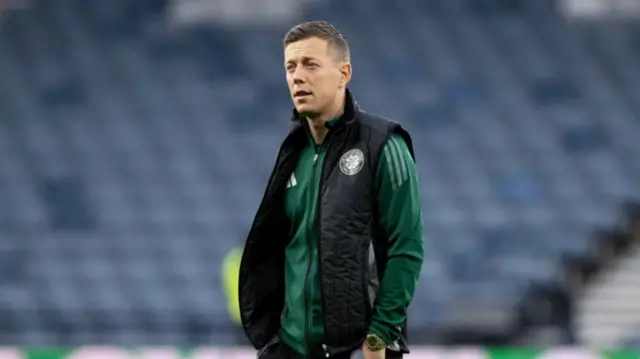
[352, 162]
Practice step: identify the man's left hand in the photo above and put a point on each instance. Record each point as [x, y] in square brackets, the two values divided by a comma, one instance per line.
[369, 354]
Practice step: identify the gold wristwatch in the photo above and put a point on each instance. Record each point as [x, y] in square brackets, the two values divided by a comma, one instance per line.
[374, 343]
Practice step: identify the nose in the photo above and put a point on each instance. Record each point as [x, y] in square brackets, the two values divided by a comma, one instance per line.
[298, 76]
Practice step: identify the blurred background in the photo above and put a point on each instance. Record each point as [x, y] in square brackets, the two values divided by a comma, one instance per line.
[136, 138]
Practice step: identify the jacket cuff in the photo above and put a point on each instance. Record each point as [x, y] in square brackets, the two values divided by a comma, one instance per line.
[382, 331]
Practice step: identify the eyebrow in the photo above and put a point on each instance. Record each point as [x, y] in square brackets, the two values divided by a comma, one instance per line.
[304, 58]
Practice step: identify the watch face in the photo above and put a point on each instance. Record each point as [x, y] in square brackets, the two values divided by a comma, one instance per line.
[374, 343]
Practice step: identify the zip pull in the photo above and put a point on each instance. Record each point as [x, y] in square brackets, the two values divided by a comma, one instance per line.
[326, 352]
[315, 159]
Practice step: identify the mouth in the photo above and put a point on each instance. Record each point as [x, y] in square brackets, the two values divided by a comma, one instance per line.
[301, 94]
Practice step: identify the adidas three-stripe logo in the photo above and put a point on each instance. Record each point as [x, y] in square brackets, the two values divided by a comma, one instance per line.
[291, 182]
[396, 163]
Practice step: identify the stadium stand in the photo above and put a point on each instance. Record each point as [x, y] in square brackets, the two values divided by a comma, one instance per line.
[133, 157]
[608, 315]
[611, 309]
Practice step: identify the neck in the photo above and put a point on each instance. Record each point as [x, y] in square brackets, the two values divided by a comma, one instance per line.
[317, 124]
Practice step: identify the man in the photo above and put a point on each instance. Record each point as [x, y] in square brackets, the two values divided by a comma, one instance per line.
[334, 254]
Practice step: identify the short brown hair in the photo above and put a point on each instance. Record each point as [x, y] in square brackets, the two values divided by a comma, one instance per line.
[322, 30]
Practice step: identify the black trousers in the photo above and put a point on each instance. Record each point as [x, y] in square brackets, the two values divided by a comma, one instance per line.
[280, 350]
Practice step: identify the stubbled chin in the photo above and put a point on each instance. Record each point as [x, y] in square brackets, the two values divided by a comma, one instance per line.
[303, 107]
[306, 111]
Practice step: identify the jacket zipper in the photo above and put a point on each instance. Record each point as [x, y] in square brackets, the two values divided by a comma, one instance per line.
[325, 348]
[307, 325]
[324, 147]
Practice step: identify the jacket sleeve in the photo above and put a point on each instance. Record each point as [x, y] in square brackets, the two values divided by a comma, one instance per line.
[400, 216]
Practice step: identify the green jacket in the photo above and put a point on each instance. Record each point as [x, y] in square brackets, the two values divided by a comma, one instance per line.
[400, 217]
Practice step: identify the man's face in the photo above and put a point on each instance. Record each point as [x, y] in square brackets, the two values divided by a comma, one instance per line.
[314, 75]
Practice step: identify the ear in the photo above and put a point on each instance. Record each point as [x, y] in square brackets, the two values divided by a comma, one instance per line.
[345, 71]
